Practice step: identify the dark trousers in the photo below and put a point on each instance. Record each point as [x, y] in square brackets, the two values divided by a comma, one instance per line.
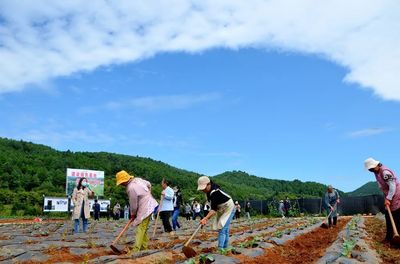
[96, 215]
[334, 221]
[165, 215]
[188, 215]
[389, 228]
[197, 214]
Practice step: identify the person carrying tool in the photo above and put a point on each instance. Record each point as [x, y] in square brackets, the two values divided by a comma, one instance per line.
[332, 199]
[166, 206]
[221, 205]
[81, 204]
[390, 186]
[141, 205]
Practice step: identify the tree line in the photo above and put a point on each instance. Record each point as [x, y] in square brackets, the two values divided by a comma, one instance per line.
[28, 171]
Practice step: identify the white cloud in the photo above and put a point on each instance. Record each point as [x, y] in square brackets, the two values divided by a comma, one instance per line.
[163, 102]
[44, 39]
[368, 132]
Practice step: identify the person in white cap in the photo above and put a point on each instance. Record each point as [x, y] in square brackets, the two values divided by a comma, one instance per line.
[390, 187]
[222, 205]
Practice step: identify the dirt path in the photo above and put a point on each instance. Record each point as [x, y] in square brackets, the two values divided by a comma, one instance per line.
[376, 229]
[306, 248]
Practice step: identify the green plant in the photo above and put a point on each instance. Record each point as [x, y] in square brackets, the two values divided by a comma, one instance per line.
[206, 258]
[347, 247]
[278, 234]
[190, 261]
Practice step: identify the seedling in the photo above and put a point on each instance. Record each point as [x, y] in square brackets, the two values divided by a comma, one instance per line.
[206, 259]
[347, 247]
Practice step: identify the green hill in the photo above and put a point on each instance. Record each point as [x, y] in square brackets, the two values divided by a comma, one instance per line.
[247, 186]
[28, 171]
[367, 189]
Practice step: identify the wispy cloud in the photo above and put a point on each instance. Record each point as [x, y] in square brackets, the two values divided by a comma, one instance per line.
[166, 102]
[47, 39]
[368, 132]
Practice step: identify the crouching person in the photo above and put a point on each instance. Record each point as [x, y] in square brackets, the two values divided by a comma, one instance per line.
[221, 205]
[141, 204]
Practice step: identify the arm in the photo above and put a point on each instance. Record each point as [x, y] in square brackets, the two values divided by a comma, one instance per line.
[169, 195]
[392, 190]
[205, 219]
[133, 201]
[326, 200]
[74, 196]
[389, 179]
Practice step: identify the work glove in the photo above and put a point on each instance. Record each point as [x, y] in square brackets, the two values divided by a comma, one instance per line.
[387, 202]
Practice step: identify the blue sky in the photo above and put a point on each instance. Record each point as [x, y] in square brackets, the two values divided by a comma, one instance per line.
[213, 99]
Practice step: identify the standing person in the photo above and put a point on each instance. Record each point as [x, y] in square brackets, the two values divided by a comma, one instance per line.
[247, 210]
[282, 208]
[286, 203]
[237, 208]
[126, 212]
[96, 209]
[188, 210]
[117, 211]
[221, 205]
[108, 212]
[177, 202]
[196, 210]
[332, 199]
[80, 198]
[206, 208]
[167, 207]
[390, 186]
[141, 205]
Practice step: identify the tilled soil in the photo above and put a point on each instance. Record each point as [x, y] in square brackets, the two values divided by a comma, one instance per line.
[306, 248]
[376, 229]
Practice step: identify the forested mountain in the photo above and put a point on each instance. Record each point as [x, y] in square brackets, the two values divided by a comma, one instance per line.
[367, 189]
[28, 171]
[253, 187]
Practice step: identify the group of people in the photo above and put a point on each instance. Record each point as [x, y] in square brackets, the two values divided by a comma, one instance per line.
[219, 207]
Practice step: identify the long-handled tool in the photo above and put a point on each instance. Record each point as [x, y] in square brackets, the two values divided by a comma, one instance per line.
[324, 224]
[112, 246]
[188, 251]
[396, 238]
[158, 217]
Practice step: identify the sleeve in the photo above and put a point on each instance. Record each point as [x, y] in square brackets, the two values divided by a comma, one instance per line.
[169, 194]
[387, 176]
[337, 194]
[133, 201]
[326, 198]
[214, 202]
[392, 190]
[74, 198]
[148, 184]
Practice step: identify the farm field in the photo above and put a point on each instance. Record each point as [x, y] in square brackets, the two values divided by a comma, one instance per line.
[262, 240]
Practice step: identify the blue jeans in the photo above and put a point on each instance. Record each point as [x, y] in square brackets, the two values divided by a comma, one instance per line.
[84, 224]
[223, 234]
[175, 216]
